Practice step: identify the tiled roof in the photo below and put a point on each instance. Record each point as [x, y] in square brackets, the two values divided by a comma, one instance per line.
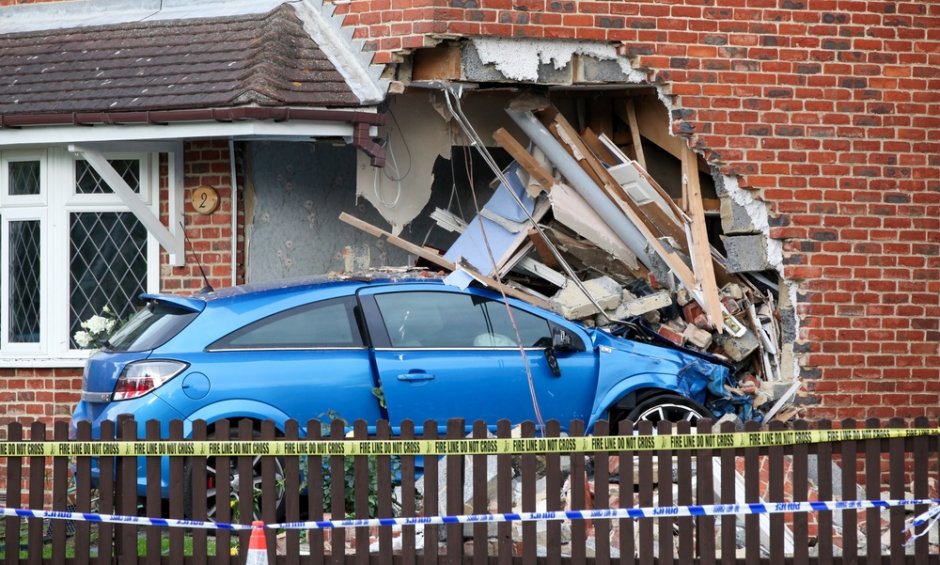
[247, 60]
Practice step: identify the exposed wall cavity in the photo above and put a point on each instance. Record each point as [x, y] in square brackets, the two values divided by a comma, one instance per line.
[419, 131]
[520, 59]
[743, 217]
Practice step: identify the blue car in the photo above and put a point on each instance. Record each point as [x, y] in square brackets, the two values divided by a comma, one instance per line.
[393, 349]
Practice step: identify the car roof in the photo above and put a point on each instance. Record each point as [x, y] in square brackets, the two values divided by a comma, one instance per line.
[301, 284]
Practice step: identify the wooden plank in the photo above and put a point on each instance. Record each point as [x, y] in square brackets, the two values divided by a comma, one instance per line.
[873, 492]
[504, 476]
[480, 499]
[383, 470]
[553, 486]
[454, 496]
[60, 432]
[528, 478]
[699, 246]
[645, 497]
[664, 468]
[800, 483]
[752, 534]
[601, 497]
[849, 452]
[525, 159]
[432, 487]
[635, 133]
[705, 494]
[685, 478]
[422, 252]
[543, 249]
[625, 474]
[338, 494]
[408, 498]
[437, 63]
[578, 497]
[361, 477]
[824, 520]
[153, 500]
[776, 493]
[597, 147]
[433, 257]
[654, 124]
[567, 136]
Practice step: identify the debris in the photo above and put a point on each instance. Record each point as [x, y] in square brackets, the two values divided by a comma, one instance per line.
[574, 212]
[572, 303]
[633, 306]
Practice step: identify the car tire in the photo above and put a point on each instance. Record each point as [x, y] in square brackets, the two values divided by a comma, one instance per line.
[667, 407]
[211, 472]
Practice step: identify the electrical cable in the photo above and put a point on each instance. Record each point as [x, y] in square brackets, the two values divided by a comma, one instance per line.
[489, 250]
[481, 149]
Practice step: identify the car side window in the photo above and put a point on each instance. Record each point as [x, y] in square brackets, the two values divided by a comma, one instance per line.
[326, 324]
[452, 320]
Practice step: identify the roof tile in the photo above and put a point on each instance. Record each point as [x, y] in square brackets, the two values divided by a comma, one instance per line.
[266, 60]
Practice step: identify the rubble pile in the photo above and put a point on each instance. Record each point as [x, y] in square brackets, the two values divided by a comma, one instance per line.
[577, 226]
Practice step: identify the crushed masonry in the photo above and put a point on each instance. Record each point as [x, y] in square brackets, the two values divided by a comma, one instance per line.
[580, 227]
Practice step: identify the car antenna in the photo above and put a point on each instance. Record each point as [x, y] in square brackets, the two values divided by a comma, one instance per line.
[208, 288]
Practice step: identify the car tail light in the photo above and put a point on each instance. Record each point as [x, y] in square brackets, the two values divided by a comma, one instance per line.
[140, 378]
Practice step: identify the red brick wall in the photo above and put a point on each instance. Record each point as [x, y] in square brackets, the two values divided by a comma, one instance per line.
[205, 163]
[830, 110]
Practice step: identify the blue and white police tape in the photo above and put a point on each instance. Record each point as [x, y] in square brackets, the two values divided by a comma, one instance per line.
[120, 519]
[928, 518]
[617, 513]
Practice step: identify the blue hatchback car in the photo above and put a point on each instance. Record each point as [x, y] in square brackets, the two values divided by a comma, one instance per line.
[363, 348]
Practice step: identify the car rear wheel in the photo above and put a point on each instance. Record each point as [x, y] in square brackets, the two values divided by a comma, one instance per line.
[215, 475]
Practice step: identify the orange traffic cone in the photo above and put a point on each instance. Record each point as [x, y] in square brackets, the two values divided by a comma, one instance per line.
[257, 545]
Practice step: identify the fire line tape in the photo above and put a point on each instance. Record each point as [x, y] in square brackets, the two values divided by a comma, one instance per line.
[491, 446]
[927, 518]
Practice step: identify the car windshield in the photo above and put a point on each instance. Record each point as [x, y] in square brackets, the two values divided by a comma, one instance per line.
[151, 327]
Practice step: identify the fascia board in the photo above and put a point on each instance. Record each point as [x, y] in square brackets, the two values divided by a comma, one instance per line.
[58, 135]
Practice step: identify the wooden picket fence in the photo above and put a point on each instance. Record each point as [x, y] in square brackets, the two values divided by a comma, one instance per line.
[385, 486]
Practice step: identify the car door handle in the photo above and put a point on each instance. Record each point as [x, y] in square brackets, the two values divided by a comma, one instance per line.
[415, 377]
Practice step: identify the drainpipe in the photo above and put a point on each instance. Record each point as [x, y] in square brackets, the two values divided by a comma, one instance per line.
[582, 183]
[234, 182]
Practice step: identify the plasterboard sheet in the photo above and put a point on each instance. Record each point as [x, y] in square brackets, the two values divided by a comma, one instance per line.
[473, 247]
[574, 212]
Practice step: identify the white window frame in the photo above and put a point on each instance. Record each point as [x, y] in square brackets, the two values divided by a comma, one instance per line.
[60, 200]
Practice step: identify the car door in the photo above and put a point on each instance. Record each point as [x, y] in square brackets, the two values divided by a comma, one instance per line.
[441, 353]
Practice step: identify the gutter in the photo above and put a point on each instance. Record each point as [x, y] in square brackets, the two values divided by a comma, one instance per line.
[361, 120]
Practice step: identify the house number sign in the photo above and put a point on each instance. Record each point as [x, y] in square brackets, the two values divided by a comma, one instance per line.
[205, 199]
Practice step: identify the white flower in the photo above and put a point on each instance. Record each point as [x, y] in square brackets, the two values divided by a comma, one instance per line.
[82, 338]
[96, 324]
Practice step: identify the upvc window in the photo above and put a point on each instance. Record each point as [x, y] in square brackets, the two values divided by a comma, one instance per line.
[68, 248]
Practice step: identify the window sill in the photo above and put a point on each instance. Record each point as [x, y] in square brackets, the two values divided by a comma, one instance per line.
[41, 363]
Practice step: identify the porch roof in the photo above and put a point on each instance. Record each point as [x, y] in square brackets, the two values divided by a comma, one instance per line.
[177, 69]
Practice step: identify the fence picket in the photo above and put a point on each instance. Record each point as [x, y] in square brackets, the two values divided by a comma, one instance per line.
[848, 450]
[83, 496]
[800, 488]
[432, 502]
[153, 497]
[408, 502]
[383, 470]
[705, 494]
[291, 502]
[824, 521]
[774, 463]
[480, 498]
[455, 487]
[197, 503]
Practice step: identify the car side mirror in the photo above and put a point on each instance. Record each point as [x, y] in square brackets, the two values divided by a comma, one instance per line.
[562, 341]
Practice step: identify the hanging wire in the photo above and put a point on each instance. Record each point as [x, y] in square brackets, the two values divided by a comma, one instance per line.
[476, 141]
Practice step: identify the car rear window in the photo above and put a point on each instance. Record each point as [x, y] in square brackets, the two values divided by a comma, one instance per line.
[151, 327]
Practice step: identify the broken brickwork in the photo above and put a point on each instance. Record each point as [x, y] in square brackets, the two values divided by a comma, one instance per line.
[827, 113]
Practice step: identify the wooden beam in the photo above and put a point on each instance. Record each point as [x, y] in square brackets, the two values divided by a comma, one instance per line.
[525, 159]
[433, 257]
[567, 136]
[437, 63]
[653, 122]
[542, 248]
[700, 248]
[635, 133]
